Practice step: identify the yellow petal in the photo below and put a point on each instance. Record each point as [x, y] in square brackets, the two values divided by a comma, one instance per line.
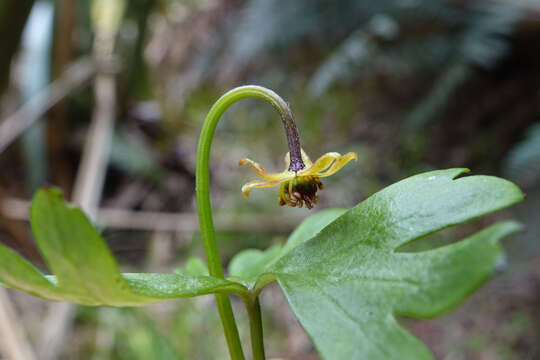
[261, 172]
[261, 184]
[306, 159]
[321, 164]
[340, 162]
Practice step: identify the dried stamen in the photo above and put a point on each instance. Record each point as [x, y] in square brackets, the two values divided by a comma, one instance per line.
[300, 190]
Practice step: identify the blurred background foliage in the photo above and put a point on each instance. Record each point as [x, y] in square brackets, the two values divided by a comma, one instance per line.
[410, 85]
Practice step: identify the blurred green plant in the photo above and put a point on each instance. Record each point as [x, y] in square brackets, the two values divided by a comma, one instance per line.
[522, 164]
[339, 270]
[130, 154]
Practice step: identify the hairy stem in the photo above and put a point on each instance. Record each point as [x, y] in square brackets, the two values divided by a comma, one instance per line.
[203, 193]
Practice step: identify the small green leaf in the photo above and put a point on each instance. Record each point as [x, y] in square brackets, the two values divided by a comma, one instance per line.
[311, 227]
[346, 284]
[75, 252]
[19, 274]
[85, 270]
[248, 265]
[194, 266]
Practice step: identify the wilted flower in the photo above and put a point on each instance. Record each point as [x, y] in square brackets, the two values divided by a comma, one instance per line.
[298, 187]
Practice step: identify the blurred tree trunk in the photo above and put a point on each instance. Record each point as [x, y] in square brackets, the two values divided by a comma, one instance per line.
[135, 68]
[13, 16]
[57, 126]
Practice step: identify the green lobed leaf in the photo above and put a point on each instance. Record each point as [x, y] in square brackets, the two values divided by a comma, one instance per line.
[346, 284]
[85, 270]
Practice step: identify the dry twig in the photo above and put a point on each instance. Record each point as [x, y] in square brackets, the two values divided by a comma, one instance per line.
[162, 221]
[14, 341]
[15, 124]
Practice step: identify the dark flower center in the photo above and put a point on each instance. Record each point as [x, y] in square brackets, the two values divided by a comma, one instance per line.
[300, 190]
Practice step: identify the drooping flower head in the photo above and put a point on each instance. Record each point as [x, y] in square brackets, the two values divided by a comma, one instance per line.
[300, 180]
[298, 187]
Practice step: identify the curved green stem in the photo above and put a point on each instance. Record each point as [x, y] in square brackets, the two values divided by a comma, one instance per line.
[203, 190]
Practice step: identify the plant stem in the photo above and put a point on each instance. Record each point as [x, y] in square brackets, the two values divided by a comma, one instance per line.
[255, 328]
[203, 193]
